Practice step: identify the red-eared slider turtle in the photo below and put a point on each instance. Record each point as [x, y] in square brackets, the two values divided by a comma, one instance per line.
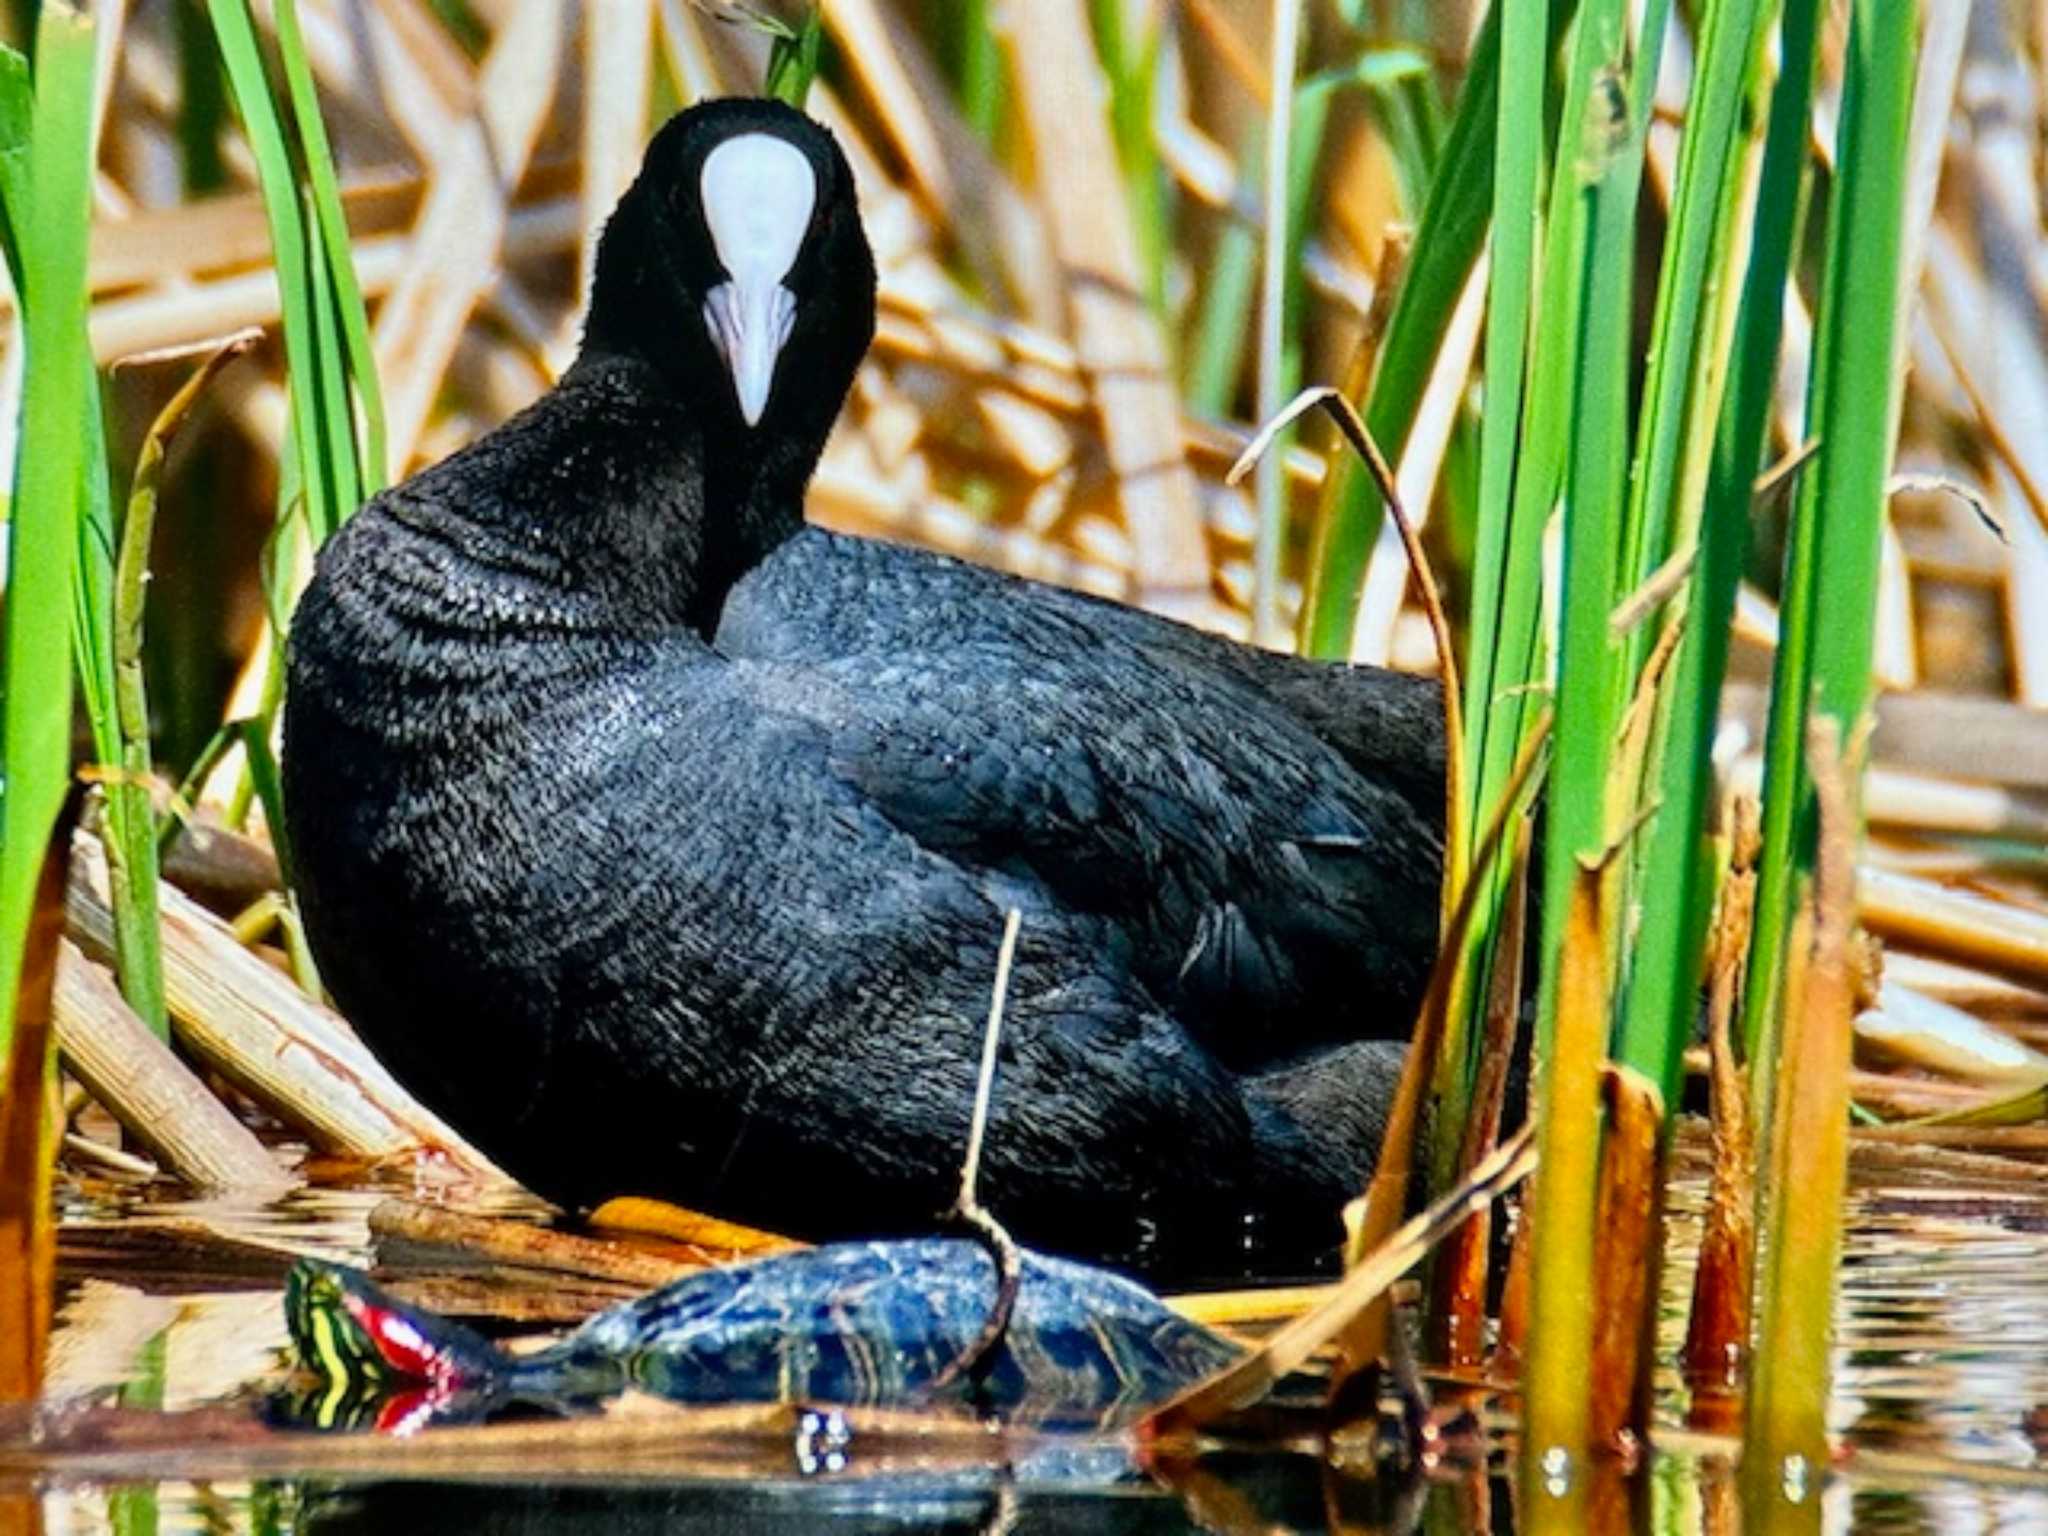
[852, 1323]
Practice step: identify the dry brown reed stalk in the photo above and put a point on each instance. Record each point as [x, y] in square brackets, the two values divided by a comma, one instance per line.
[1989, 424]
[1223, 42]
[2030, 1141]
[1990, 740]
[1662, 584]
[1244, 1382]
[1916, 1099]
[968, 1211]
[157, 1099]
[1437, 417]
[1896, 797]
[453, 250]
[1511, 1335]
[429, 1231]
[1977, 930]
[1115, 336]
[1903, 1025]
[83, 1150]
[1981, 992]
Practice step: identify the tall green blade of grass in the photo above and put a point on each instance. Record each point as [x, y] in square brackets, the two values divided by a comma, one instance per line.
[323, 197]
[1678, 897]
[1215, 352]
[121, 745]
[132, 1510]
[1531, 343]
[129, 829]
[322, 472]
[1676, 396]
[119, 708]
[1578, 413]
[120, 733]
[1687, 366]
[1824, 675]
[1518, 187]
[1447, 241]
[1280, 337]
[47, 128]
[330, 372]
[202, 100]
[1832, 560]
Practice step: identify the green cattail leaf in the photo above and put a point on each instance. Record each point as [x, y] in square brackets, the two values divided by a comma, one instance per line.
[793, 61]
[16, 100]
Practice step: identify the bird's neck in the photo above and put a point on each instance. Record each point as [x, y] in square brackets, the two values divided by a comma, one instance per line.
[644, 507]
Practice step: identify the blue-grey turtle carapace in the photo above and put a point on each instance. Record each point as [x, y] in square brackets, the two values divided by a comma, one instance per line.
[856, 1324]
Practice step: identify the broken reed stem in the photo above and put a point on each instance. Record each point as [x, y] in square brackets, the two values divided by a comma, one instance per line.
[1511, 1338]
[1244, 1382]
[1629, 1205]
[985, 1081]
[1458, 1319]
[1993, 935]
[1988, 423]
[1717, 1331]
[644, 1217]
[1788, 1392]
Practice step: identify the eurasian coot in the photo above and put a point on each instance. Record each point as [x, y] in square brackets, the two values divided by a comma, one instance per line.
[664, 845]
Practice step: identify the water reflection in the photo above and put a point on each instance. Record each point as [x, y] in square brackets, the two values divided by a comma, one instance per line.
[1265, 1492]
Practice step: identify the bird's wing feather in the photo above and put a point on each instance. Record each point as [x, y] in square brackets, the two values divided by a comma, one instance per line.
[1263, 891]
[822, 596]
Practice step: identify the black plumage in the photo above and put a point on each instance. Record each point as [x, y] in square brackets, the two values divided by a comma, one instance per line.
[663, 844]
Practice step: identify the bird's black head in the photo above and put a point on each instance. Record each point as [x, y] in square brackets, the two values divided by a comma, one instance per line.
[736, 265]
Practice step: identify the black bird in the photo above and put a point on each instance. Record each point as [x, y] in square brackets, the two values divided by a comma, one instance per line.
[664, 845]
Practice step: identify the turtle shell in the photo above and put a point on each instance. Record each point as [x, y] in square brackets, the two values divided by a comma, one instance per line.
[880, 1322]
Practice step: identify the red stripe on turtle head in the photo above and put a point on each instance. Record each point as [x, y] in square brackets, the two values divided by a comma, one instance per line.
[404, 1350]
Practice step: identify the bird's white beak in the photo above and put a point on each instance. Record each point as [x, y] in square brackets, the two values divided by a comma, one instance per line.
[758, 193]
[750, 322]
